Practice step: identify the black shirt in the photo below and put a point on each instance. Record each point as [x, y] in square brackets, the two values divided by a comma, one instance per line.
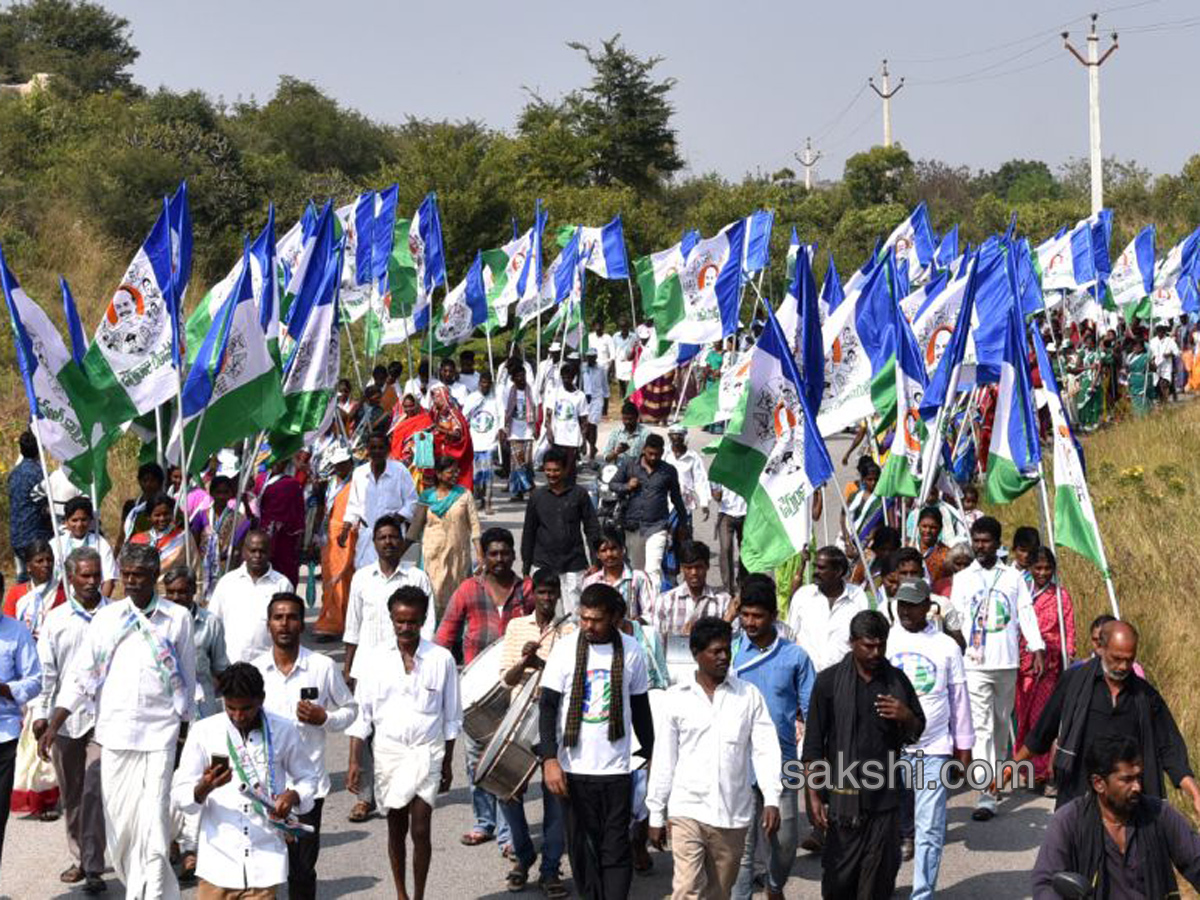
[646, 505]
[1126, 881]
[874, 736]
[1108, 719]
[551, 537]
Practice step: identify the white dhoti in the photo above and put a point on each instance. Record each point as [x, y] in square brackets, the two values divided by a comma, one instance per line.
[405, 771]
[137, 820]
[595, 410]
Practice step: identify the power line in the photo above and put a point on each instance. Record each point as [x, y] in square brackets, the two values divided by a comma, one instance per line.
[968, 76]
[838, 118]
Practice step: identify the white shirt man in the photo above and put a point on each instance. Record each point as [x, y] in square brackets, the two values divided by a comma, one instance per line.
[137, 668]
[548, 379]
[368, 625]
[693, 479]
[240, 602]
[370, 497]
[239, 849]
[594, 382]
[76, 752]
[1163, 350]
[605, 351]
[311, 672]
[996, 611]
[485, 415]
[409, 712]
[822, 629]
[704, 752]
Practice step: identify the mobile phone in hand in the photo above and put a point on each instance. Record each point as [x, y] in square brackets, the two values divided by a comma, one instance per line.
[219, 761]
[308, 693]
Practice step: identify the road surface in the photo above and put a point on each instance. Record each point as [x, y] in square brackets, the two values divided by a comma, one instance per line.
[981, 859]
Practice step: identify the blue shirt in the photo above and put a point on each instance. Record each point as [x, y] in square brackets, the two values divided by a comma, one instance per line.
[20, 670]
[784, 675]
[28, 519]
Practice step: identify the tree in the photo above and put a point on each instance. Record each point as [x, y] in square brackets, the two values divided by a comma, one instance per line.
[1021, 180]
[78, 41]
[627, 115]
[880, 175]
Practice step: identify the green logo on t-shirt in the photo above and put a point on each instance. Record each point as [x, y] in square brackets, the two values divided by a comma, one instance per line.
[597, 696]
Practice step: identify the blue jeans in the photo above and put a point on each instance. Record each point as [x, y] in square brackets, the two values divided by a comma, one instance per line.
[782, 843]
[929, 816]
[482, 802]
[554, 838]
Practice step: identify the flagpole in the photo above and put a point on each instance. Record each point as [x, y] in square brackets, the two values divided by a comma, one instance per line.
[160, 451]
[686, 377]
[243, 478]
[632, 306]
[353, 353]
[854, 532]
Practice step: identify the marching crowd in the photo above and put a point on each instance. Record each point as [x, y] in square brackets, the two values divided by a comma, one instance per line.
[155, 691]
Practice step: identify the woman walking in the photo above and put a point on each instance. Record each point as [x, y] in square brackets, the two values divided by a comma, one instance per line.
[1033, 691]
[451, 531]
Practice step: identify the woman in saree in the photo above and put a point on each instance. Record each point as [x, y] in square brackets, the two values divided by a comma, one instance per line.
[451, 434]
[1137, 363]
[337, 563]
[35, 789]
[216, 532]
[411, 420]
[1090, 402]
[451, 531]
[1033, 691]
[167, 535]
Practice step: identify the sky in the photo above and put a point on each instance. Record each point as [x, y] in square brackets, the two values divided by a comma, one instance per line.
[984, 83]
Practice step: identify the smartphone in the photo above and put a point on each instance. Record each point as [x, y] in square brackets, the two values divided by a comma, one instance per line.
[308, 693]
[219, 760]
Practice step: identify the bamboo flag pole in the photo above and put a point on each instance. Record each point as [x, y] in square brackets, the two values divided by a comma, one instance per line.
[854, 533]
[37, 434]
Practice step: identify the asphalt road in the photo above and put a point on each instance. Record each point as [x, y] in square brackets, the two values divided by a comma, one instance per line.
[981, 859]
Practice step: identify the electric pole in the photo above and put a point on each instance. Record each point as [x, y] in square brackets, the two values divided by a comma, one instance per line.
[886, 95]
[808, 159]
[1093, 62]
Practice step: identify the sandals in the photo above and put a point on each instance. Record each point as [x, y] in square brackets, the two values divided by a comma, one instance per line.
[73, 875]
[552, 887]
[475, 838]
[517, 878]
[361, 811]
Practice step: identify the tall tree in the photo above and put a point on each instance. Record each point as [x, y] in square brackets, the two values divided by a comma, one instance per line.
[626, 115]
[80, 42]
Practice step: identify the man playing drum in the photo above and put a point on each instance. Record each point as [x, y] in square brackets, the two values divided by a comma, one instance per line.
[477, 615]
[527, 644]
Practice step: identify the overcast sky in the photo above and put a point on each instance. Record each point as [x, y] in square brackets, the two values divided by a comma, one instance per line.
[985, 83]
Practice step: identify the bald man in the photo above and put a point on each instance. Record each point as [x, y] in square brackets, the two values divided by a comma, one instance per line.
[1104, 697]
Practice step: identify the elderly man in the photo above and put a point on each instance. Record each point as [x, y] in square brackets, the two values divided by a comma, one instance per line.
[241, 598]
[137, 668]
[1104, 697]
[76, 753]
[819, 613]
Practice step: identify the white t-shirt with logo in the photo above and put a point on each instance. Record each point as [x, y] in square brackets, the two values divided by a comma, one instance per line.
[932, 661]
[594, 753]
[996, 611]
[567, 407]
[485, 415]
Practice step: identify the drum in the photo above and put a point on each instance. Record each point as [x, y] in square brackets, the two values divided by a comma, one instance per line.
[484, 697]
[510, 758]
[680, 662]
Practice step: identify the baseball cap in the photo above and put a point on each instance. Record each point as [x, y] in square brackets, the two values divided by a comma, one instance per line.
[912, 590]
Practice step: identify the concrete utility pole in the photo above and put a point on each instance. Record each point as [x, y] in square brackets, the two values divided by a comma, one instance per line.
[1093, 62]
[886, 94]
[808, 159]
